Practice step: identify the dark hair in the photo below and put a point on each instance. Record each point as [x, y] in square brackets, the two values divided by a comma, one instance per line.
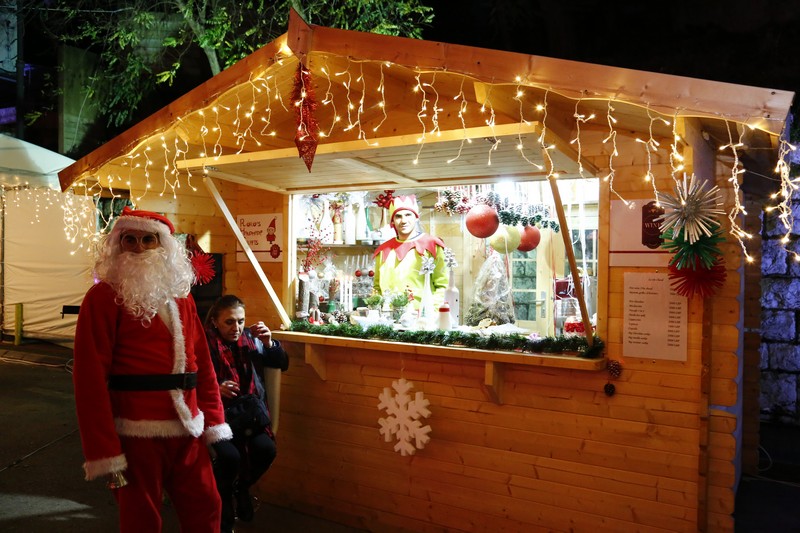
[229, 301]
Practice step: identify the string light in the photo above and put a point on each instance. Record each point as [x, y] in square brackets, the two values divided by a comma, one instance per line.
[546, 149]
[421, 114]
[520, 145]
[382, 102]
[329, 100]
[579, 119]
[736, 170]
[612, 137]
[462, 110]
[239, 130]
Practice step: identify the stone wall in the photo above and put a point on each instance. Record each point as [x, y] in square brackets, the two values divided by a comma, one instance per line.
[780, 321]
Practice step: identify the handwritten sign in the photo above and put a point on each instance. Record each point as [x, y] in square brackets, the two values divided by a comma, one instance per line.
[264, 236]
[655, 318]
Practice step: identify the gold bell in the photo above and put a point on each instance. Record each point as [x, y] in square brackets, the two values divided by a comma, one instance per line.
[116, 480]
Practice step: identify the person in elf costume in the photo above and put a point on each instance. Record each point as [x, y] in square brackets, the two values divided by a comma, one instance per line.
[146, 394]
[399, 260]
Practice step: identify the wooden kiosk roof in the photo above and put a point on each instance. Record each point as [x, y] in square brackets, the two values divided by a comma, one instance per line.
[413, 113]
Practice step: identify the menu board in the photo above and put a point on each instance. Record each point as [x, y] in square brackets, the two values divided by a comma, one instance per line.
[655, 321]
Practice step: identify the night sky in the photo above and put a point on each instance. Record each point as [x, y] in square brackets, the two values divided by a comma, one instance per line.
[748, 42]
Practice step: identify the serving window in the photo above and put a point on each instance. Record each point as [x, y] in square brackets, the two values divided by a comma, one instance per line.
[517, 279]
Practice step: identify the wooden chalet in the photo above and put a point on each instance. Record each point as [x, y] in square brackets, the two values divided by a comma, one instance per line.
[519, 442]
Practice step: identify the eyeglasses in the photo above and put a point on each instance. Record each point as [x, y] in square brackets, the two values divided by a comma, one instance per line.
[147, 241]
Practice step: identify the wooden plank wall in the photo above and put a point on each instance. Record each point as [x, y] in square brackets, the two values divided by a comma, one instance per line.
[557, 455]
[195, 212]
[751, 380]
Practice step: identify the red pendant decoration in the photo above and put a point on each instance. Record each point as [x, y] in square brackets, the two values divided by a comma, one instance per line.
[482, 221]
[688, 281]
[202, 263]
[529, 239]
[305, 104]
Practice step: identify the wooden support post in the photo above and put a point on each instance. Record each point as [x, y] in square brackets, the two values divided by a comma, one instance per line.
[705, 416]
[273, 378]
[17, 324]
[315, 358]
[493, 381]
[573, 266]
[287, 322]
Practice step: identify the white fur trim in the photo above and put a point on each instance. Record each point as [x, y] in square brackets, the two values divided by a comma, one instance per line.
[217, 433]
[178, 342]
[193, 424]
[94, 469]
[140, 224]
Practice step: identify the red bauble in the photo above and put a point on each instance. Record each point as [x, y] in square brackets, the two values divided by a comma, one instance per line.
[371, 273]
[358, 273]
[530, 239]
[482, 221]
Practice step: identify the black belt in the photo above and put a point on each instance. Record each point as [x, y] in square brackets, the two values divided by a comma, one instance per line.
[152, 381]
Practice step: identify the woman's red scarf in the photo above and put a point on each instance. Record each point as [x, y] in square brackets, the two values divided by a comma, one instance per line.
[236, 366]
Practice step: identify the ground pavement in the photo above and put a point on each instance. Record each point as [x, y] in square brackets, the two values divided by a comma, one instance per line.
[42, 487]
[41, 480]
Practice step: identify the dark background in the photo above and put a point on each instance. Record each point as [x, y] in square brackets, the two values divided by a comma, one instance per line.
[747, 42]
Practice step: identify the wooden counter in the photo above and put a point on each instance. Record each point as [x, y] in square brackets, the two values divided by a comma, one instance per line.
[518, 442]
[494, 361]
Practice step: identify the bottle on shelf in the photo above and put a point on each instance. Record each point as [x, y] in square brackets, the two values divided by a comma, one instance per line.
[444, 317]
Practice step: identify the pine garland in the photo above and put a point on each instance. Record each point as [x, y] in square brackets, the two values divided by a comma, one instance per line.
[511, 342]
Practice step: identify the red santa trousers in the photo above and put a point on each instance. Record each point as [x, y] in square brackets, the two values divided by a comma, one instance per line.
[180, 466]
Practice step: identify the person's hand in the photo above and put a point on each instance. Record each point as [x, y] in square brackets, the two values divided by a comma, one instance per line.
[262, 333]
[229, 389]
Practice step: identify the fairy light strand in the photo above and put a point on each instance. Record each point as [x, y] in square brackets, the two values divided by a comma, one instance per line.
[737, 210]
[462, 110]
[240, 130]
[520, 145]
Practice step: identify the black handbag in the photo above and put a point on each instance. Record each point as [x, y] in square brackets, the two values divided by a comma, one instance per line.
[247, 415]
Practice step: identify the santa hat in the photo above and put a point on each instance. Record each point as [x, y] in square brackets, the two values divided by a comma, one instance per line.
[137, 219]
[403, 203]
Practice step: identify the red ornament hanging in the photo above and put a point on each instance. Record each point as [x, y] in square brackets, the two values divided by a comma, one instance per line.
[202, 263]
[482, 221]
[688, 281]
[305, 104]
[531, 236]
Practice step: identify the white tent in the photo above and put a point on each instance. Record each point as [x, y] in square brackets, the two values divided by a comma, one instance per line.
[40, 270]
[25, 164]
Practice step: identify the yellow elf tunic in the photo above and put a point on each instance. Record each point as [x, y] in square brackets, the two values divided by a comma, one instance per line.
[397, 270]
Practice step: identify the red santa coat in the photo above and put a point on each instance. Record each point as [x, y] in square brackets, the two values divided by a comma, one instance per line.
[109, 340]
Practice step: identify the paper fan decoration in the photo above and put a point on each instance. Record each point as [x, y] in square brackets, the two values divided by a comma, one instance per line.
[704, 251]
[698, 279]
[691, 211]
[691, 232]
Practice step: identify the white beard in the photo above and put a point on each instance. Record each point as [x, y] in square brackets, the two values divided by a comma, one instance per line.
[145, 282]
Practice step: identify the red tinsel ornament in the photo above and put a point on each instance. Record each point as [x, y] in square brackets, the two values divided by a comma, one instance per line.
[305, 104]
[688, 281]
[202, 263]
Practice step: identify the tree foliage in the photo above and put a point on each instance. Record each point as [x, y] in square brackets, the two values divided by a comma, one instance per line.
[142, 45]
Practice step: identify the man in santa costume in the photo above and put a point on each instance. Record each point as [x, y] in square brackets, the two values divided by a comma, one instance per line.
[399, 261]
[145, 390]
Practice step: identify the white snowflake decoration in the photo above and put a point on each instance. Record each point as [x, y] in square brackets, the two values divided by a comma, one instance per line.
[403, 420]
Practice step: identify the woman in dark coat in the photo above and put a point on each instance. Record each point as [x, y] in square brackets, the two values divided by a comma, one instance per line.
[239, 355]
